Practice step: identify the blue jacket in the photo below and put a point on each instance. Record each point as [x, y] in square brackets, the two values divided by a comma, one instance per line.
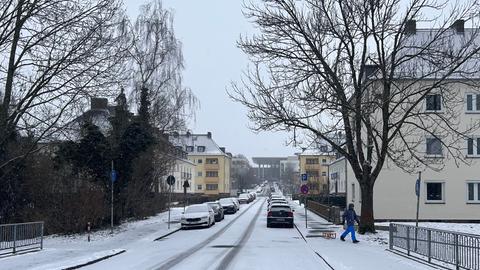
[350, 217]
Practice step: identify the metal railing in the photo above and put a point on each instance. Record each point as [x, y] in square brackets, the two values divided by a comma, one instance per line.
[457, 249]
[21, 237]
[330, 213]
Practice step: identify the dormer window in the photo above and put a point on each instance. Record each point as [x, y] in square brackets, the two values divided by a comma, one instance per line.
[189, 149]
[200, 148]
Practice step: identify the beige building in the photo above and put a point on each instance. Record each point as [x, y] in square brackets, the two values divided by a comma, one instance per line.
[315, 163]
[212, 163]
[450, 182]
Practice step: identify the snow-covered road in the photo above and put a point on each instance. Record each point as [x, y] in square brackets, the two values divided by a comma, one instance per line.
[241, 241]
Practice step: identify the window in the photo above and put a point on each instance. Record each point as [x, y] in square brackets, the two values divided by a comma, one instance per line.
[199, 174]
[211, 161]
[324, 173]
[200, 161]
[189, 148]
[312, 160]
[435, 192]
[434, 146]
[324, 161]
[211, 174]
[199, 187]
[473, 147]
[473, 192]
[200, 148]
[433, 102]
[473, 103]
[312, 174]
[212, 186]
[323, 148]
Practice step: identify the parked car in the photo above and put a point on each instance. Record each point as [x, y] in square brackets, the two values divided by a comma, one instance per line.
[277, 201]
[278, 204]
[280, 216]
[228, 206]
[254, 195]
[244, 198]
[236, 202]
[217, 209]
[198, 215]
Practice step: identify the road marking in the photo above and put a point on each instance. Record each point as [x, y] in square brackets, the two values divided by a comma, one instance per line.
[184, 255]
[238, 246]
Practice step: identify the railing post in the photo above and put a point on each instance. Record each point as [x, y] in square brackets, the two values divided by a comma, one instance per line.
[41, 236]
[390, 237]
[457, 263]
[429, 243]
[14, 238]
[408, 241]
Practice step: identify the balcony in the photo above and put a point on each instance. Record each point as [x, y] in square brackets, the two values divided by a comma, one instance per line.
[210, 167]
[312, 167]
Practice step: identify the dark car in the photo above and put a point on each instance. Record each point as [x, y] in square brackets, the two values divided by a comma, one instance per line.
[228, 205]
[280, 216]
[217, 209]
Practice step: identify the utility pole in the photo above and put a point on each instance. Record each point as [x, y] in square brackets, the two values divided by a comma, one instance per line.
[113, 177]
[417, 192]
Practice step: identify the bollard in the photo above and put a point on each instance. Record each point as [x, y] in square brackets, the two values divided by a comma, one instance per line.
[88, 231]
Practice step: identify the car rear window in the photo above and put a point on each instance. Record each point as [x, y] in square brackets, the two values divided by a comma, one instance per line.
[280, 208]
[196, 209]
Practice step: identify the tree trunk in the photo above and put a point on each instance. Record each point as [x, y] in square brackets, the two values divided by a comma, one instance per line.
[367, 222]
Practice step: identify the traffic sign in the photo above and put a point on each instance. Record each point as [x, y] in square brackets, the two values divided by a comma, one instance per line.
[304, 189]
[417, 188]
[171, 180]
[304, 177]
[113, 176]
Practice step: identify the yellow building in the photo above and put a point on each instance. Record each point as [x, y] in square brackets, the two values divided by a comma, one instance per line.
[315, 165]
[213, 163]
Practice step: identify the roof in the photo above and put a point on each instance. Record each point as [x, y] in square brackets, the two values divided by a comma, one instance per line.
[196, 140]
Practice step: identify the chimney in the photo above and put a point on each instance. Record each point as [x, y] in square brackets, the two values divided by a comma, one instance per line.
[98, 103]
[459, 26]
[411, 27]
[209, 135]
[222, 149]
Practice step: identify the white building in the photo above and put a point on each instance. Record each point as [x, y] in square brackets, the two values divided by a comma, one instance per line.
[449, 194]
[338, 174]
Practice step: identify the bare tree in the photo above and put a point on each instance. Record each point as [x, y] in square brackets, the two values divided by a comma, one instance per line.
[157, 65]
[356, 74]
[53, 54]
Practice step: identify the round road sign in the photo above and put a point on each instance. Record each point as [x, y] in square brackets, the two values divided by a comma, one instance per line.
[304, 189]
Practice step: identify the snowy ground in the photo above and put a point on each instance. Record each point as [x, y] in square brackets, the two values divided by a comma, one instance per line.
[64, 251]
[241, 241]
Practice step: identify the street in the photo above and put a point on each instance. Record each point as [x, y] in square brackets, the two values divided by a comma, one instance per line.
[241, 241]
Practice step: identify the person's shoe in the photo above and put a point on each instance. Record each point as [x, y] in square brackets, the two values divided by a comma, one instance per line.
[342, 238]
[355, 241]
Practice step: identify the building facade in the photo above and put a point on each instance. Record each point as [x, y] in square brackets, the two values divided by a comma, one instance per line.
[212, 163]
[315, 163]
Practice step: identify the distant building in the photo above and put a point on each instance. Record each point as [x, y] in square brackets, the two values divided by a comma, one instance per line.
[268, 168]
[315, 163]
[212, 162]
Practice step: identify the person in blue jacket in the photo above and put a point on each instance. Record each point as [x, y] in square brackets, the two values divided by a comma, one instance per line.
[350, 217]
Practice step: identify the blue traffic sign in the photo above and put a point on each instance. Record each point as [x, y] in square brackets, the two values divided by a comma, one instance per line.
[304, 177]
[417, 188]
[113, 175]
[304, 189]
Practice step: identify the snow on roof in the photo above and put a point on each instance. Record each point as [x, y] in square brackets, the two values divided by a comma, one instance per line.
[197, 144]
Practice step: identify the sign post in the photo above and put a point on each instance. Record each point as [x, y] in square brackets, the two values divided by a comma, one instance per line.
[170, 182]
[113, 178]
[304, 190]
[417, 192]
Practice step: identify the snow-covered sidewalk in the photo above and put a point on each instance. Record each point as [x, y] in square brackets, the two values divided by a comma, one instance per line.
[370, 253]
[61, 252]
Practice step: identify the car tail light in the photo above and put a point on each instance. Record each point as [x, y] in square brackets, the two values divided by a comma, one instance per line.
[269, 214]
[290, 214]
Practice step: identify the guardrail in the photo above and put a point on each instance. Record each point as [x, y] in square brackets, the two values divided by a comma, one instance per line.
[457, 249]
[331, 213]
[21, 237]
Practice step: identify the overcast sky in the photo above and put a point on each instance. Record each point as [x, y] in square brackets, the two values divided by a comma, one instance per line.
[209, 30]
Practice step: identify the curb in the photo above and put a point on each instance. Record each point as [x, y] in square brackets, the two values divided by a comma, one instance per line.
[167, 234]
[94, 261]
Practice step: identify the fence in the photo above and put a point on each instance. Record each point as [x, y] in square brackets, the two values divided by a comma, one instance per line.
[331, 213]
[457, 249]
[20, 237]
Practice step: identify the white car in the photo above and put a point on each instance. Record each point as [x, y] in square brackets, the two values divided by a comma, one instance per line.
[198, 215]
